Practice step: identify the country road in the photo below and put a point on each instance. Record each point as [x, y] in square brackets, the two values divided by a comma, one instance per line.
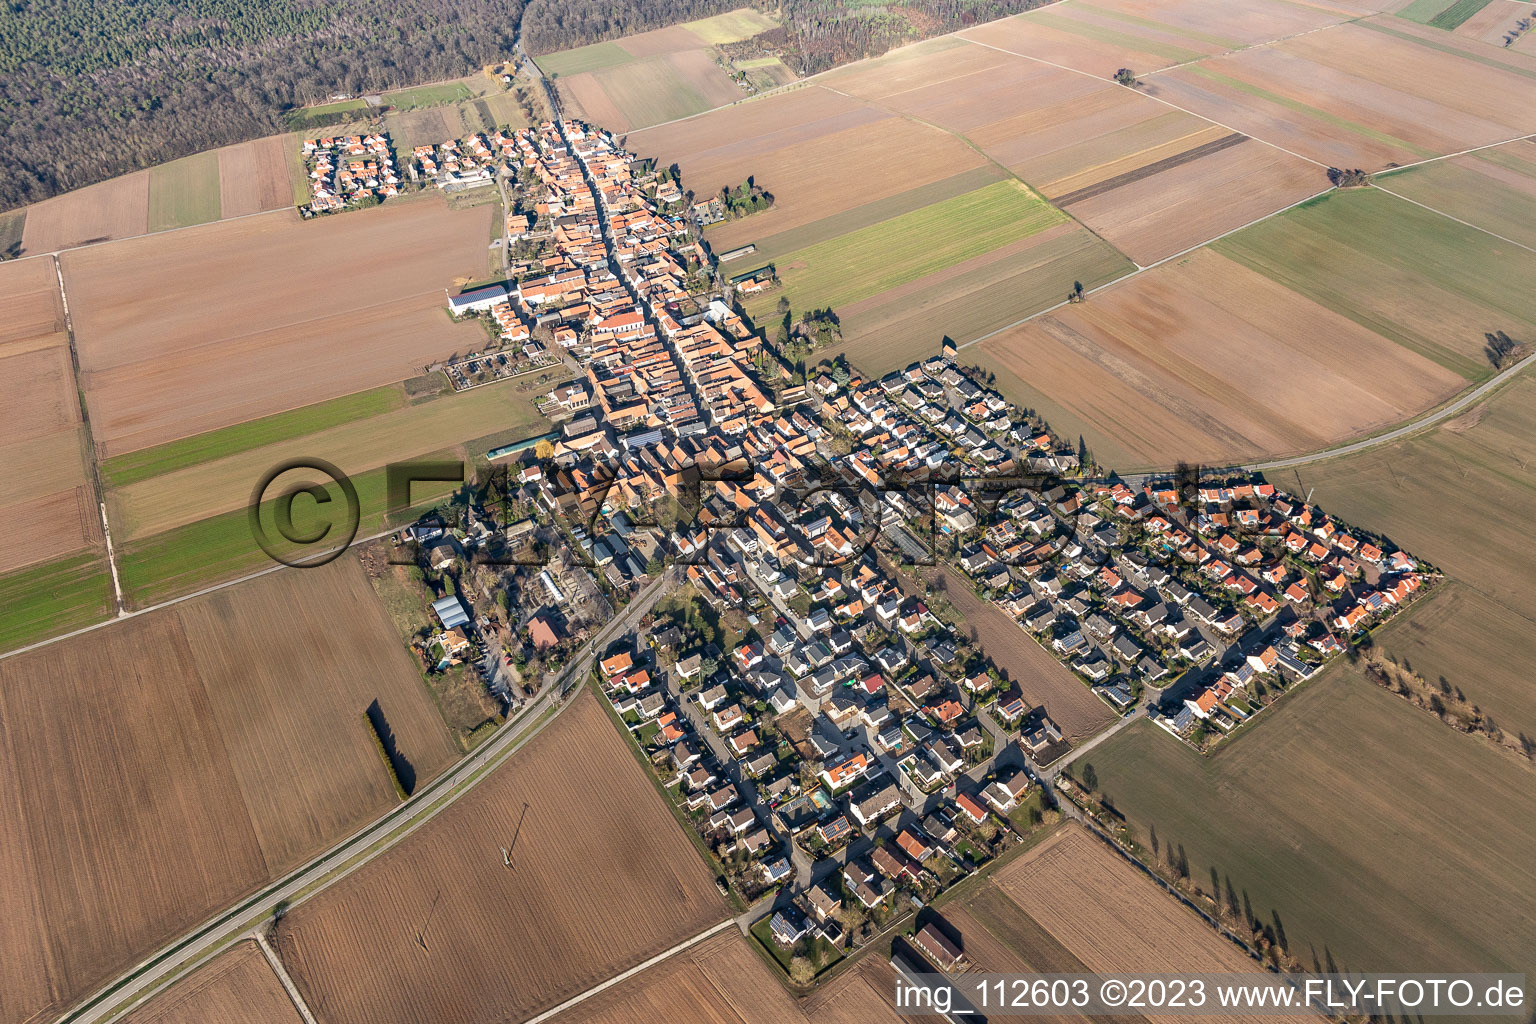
[1427, 420]
[241, 920]
[1397, 433]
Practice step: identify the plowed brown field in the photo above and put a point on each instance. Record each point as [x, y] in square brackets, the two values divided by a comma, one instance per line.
[1364, 95]
[113, 209]
[236, 988]
[187, 331]
[1042, 678]
[438, 929]
[159, 769]
[47, 506]
[1110, 916]
[255, 176]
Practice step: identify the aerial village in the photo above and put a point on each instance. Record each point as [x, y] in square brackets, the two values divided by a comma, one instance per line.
[349, 170]
[813, 707]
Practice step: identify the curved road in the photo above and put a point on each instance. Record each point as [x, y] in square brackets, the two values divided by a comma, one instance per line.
[1412, 426]
[1397, 433]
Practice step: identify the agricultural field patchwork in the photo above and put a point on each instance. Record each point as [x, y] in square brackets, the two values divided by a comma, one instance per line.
[1096, 38]
[47, 479]
[651, 90]
[1369, 94]
[423, 931]
[874, 259]
[1432, 285]
[235, 181]
[1205, 360]
[118, 208]
[654, 77]
[1322, 819]
[237, 987]
[1150, 179]
[223, 482]
[1459, 495]
[194, 330]
[239, 716]
[975, 297]
[1493, 189]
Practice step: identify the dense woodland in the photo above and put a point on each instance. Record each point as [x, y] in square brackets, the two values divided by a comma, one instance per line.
[92, 91]
[553, 25]
[819, 34]
[89, 91]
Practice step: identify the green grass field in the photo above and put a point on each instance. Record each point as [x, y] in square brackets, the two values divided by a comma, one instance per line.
[1412, 275]
[1446, 14]
[1484, 189]
[1381, 837]
[184, 192]
[596, 57]
[731, 27]
[282, 426]
[772, 247]
[428, 95]
[52, 598]
[882, 256]
[222, 547]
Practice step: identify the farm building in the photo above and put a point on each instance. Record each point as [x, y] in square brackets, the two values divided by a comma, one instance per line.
[477, 300]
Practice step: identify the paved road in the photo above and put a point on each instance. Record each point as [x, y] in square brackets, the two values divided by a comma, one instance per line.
[161, 968]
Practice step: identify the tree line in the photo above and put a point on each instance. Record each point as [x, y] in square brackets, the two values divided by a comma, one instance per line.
[821, 34]
[92, 91]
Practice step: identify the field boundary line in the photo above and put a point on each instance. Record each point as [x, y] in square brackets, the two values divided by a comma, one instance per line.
[989, 158]
[626, 975]
[788, 87]
[294, 995]
[149, 234]
[344, 857]
[169, 602]
[1386, 171]
[1142, 270]
[1458, 220]
[1159, 99]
